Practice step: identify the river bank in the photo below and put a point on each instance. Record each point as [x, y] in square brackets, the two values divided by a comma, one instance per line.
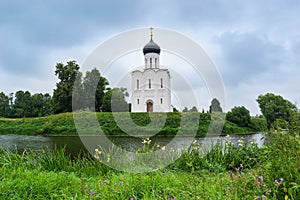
[240, 172]
[63, 124]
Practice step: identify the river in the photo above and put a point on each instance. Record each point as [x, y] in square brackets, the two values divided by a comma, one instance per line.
[73, 144]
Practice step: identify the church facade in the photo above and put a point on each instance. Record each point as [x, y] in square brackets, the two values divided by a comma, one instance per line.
[151, 91]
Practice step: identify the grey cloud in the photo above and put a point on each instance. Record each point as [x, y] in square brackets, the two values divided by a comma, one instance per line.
[245, 55]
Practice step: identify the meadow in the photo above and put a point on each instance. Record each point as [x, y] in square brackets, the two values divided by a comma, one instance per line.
[241, 171]
[63, 124]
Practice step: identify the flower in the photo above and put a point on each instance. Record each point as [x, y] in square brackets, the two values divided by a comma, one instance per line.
[105, 181]
[281, 180]
[194, 142]
[239, 176]
[92, 192]
[263, 197]
[163, 148]
[261, 178]
[146, 141]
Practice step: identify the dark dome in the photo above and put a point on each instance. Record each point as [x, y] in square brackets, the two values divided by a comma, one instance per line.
[151, 47]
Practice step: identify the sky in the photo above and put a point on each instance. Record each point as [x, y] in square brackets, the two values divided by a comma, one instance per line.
[255, 45]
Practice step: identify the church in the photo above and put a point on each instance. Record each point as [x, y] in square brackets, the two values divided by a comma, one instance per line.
[151, 91]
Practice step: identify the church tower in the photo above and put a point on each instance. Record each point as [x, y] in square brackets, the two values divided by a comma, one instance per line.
[151, 86]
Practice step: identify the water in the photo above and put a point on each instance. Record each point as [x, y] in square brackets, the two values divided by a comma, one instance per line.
[73, 144]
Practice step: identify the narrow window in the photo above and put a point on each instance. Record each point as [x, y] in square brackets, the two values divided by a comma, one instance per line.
[155, 62]
[137, 84]
[149, 83]
[145, 61]
[138, 101]
[161, 83]
[150, 62]
[161, 101]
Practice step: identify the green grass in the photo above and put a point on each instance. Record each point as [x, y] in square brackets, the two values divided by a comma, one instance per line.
[63, 124]
[236, 172]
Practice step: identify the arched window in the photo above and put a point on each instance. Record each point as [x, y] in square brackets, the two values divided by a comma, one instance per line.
[145, 61]
[161, 100]
[138, 101]
[161, 83]
[137, 84]
[150, 62]
[149, 83]
[155, 62]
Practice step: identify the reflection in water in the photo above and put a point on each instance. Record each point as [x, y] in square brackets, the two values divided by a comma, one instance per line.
[74, 145]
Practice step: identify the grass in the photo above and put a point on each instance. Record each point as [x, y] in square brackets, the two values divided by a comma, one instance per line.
[234, 172]
[63, 124]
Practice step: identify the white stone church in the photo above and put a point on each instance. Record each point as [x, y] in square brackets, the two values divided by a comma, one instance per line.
[151, 91]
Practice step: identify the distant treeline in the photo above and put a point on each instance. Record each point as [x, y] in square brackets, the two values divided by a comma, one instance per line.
[92, 92]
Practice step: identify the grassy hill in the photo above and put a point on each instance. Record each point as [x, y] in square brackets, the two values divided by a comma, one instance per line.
[63, 124]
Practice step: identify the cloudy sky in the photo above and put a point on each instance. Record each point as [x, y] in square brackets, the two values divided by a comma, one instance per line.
[255, 44]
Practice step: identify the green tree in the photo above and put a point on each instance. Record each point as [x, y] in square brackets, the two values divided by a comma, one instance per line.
[22, 106]
[185, 109]
[94, 89]
[114, 100]
[275, 107]
[215, 106]
[193, 109]
[240, 116]
[62, 95]
[42, 105]
[4, 105]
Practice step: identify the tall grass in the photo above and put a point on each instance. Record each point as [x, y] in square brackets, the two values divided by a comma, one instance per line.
[241, 171]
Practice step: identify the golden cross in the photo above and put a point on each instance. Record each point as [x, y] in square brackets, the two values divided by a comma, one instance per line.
[151, 32]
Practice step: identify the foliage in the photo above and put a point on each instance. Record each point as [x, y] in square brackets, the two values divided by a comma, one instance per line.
[240, 116]
[94, 86]
[63, 124]
[280, 124]
[282, 160]
[193, 109]
[241, 171]
[25, 105]
[259, 124]
[114, 100]
[62, 95]
[215, 106]
[275, 107]
[4, 105]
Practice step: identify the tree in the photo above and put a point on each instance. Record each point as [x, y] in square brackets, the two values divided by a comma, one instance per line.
[22, 106]
[193, 109]
[185, 109]
[4, 105]
[62, 95]
[215, 106]
[275, 107]
[114, 100]
[240, 116]
[94, 89]
[42, 105]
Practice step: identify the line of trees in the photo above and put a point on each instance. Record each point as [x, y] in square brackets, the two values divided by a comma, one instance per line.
[91, 93]
[24, 104]
[277, 113]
